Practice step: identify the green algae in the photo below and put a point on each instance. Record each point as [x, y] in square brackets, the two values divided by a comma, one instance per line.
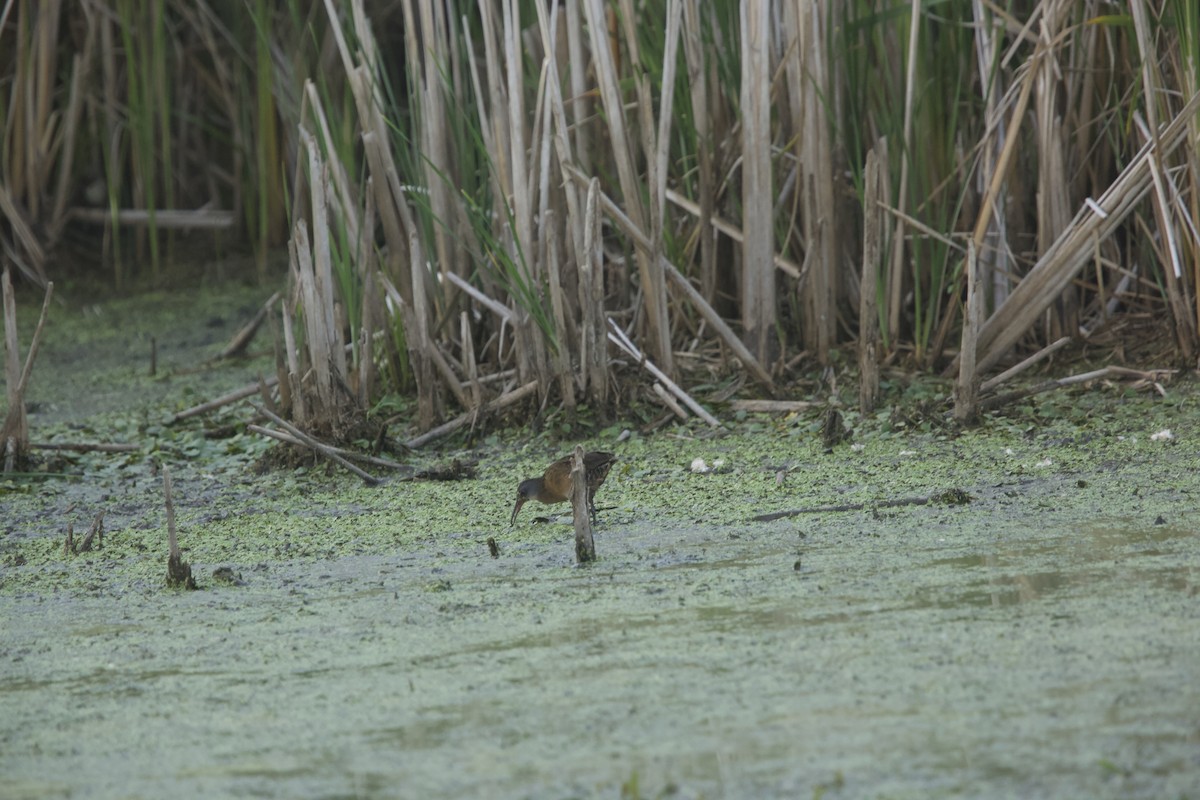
[1036, 640]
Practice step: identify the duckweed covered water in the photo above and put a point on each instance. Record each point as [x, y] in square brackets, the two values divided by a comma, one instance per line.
[1039, 640]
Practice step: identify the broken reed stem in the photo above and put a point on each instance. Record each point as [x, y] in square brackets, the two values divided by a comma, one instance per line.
[503, 401]
[1094, 222]
[287, 438]
[15, 429]
[868, 311]
[1013, 371]
[618, 337]
[795, 512]
[669, 401]
[966, 391]
[315, 444]
[36, 341]
[783, 264]
[242, 339]
[585, 544]
[226, 399]
[773, 406]
[1150, 376]
[86, 447]
[719, 325]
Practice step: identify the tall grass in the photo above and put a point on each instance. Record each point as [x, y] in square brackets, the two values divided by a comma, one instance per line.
[505, 179]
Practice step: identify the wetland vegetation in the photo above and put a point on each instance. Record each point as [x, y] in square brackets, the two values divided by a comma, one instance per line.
[350, 640]
[887, 309]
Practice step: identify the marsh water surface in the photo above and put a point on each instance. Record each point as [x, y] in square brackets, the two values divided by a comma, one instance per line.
[1037, 641]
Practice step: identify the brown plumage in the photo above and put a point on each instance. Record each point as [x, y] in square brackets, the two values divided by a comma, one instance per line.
[555, 484]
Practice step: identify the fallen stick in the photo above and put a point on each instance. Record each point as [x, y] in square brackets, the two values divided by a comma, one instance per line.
[316, 445]
[772, 406]
[242, 339]
[287, 438]
[618, 337]
[1150, 376]
[795, 512]
[226, 399]
[669, 401]
[503, 401]
[1012, 372]
[164, 219]
[87, 447]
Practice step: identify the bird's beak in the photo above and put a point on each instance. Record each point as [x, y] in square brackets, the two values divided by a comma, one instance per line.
[516, 510]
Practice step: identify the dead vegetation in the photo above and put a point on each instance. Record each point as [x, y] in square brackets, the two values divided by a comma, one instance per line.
[511, 206]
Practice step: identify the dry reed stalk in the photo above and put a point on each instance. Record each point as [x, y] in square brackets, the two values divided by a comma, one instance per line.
[450, 378]
[1185, 330]
[562, 355]
[520, 196]
[343, 195]
[14, 434]
[994, 253]
[503, 401]
[226, 399]
[1095, 221]
[773, 406]
[314, 444]
[577, 222]
[25, 236]
[694, 55]
[1017, 369]
[782, 263]
[326, 293]
[291, 392]
[1142, 379]
[895, 283]
[75, 101]
[367, 267]
[621, 340]
[87, 447]
[758, 271]
[580, 97]
[436, 136]
[593, 344]
[548, 215]
[1053, 181]
[657, 156]
[874, 223]
[710, 315]
[287, 438]
[624, 156]
[667, 400]
[809, 68]
[162, 218]
[420, 346]
[468, 363]
[398, 226]
[503, 312]
[966, 390]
